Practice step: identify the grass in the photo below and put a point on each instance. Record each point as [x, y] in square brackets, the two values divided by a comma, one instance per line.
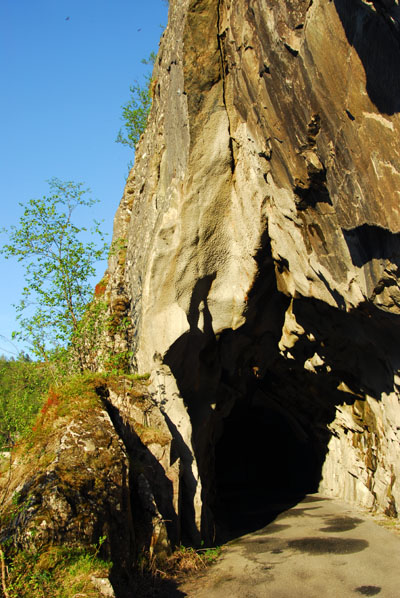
[187, 560]
[58, 572]
[77, 395]
[150, 434]
[157, 577]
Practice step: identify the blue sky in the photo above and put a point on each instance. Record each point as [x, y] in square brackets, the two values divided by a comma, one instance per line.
[66, 69]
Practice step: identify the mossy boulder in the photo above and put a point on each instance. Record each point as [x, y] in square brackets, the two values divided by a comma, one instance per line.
[68, 483]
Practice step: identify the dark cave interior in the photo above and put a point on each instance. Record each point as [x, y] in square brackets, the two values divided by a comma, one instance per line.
[264, 463]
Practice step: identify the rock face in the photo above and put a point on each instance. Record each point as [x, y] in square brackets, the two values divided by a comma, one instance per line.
[261, 224]
[99, 470]
[70, 486]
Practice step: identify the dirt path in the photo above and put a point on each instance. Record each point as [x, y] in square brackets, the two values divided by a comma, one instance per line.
[321, 548]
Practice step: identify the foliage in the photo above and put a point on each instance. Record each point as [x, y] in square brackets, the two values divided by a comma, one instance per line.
[23, 384]
[58, 571]
[184, 560]
[95, 337]
[210, 555]
[152, 572]
[136, 110]
[58, 265]
[76, 395]
[88, 338]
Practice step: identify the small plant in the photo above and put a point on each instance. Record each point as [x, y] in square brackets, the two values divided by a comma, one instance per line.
[136, 111]
[186, 560]
[15, 498]
[151, 435]
[100, 288]
[138, 376]
[56, 572]
[210, 554]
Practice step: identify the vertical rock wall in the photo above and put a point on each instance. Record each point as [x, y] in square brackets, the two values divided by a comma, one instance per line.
[261, 223]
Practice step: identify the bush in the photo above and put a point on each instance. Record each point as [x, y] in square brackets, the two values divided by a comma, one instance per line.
[23, 384]
[136, 111]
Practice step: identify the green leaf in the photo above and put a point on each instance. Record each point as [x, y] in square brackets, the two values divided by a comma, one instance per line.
[136, 111]
[59, 261]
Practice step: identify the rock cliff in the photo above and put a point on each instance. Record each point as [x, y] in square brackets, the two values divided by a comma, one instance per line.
[261, 235]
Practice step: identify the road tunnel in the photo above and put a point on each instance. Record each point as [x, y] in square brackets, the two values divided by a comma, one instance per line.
[265, 461]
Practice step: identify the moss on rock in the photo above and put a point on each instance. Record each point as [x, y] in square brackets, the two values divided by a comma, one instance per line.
[68, 484]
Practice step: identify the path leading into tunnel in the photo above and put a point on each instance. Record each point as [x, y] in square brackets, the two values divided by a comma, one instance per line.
[320, 548]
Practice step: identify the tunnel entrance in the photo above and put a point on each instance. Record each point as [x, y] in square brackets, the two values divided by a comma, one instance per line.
[264, 463]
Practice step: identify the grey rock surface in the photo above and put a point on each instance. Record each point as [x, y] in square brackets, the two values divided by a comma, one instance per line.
[261, 224]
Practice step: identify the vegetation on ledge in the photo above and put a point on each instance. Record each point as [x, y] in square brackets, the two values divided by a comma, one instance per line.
[58, 571]
[65, 490]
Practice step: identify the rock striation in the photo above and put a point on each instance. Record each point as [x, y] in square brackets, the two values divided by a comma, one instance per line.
[261, 227]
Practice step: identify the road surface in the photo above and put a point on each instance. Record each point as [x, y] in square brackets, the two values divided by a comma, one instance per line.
[320, 548]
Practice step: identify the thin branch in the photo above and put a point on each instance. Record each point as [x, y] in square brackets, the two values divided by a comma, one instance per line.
[3, 575]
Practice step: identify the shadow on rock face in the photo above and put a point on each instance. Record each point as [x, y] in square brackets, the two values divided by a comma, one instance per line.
[260, 418]
[368, 242]
[375, 35]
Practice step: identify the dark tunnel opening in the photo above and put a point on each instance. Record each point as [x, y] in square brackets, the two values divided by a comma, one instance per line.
[260, 411]
[264, 464]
